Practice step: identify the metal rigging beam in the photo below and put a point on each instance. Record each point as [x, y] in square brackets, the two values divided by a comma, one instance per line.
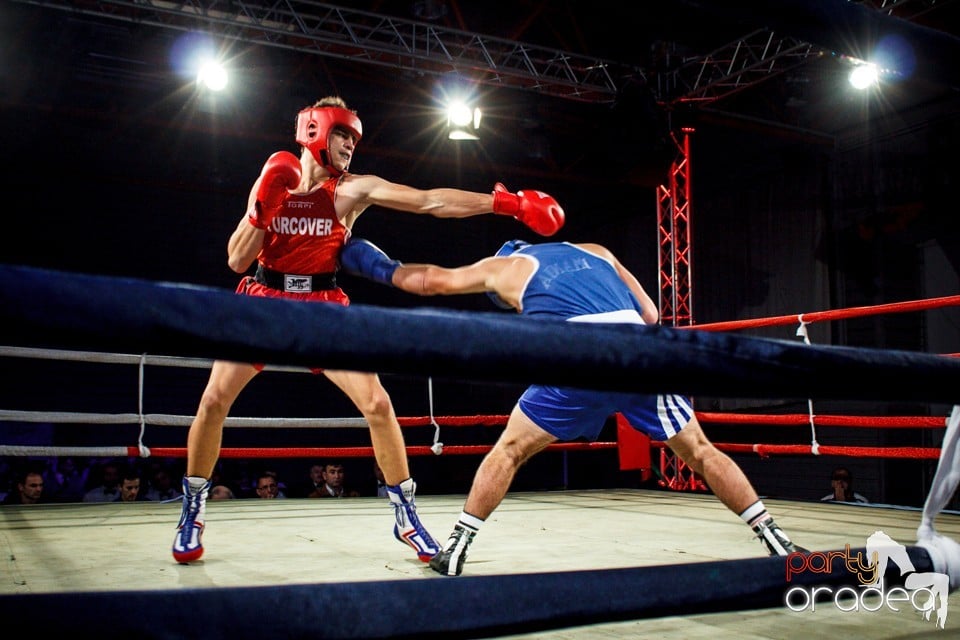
[842, 29]
[361, 36]
[735, 66]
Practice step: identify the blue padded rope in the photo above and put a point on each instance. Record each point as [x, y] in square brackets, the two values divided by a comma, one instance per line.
[42, 308]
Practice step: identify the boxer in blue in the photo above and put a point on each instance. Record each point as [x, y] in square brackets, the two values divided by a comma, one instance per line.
[577, 283]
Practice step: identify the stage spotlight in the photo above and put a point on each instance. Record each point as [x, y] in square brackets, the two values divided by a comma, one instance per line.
[864, 75]
[212, 75]
[463, 123]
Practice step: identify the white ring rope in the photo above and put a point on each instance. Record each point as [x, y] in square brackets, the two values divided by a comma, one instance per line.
[167, 420]
[143, 419]
[78, 452]
[120, 358]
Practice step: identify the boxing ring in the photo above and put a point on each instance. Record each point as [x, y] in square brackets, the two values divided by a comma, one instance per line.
[622, 562]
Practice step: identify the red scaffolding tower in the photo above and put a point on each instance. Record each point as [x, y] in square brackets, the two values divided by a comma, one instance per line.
[676, 302]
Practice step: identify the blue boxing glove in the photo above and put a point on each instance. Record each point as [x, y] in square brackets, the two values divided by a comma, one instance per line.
[363, 258]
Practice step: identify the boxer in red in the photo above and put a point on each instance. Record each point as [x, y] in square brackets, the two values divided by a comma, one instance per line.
[299, 215]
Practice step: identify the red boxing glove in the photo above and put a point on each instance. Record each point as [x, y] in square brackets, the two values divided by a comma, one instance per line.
[536, 209]
[280, 173]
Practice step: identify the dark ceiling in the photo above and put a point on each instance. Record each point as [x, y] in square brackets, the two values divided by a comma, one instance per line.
[101, 55]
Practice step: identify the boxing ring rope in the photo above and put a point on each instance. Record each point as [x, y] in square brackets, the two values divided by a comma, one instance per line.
[681, 477]
[166, 420]
[49, 310]
[496, 605]
[44, 309]
[157, 419]
[764, 450]
[824, 316]
[673, 473]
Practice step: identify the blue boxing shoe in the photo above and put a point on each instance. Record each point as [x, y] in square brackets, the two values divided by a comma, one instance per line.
[187, 546]
[408, 528]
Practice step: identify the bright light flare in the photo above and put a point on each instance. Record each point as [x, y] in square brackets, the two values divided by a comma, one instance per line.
[864, 75]
[212, 75]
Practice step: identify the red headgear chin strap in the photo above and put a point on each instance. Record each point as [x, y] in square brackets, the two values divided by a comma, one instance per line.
[314, 125]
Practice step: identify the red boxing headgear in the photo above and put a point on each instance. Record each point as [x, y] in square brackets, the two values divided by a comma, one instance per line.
[314, 125]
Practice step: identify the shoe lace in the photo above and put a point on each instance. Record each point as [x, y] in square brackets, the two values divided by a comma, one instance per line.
[415, 523]
[192, 504]
[761, 529]
[410, 510]
[461, 533]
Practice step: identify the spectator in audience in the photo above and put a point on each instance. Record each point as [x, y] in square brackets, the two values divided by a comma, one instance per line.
[221, 492]
[226, 476]
[129, 487]
[268, 487]
[65, 480]
[162, 487]
[333, 483]
[108, 489]
[841, 483]
[312, 482]
[28, 488]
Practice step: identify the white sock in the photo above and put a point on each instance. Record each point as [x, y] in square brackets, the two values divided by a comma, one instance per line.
[755, 514]
[469, 522]
[196, 483]
[408, 487]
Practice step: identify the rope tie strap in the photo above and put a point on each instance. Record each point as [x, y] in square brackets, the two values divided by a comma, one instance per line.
[814, 445]
[437, 446]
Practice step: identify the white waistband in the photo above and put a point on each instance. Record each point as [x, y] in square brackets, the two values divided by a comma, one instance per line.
[630, 316]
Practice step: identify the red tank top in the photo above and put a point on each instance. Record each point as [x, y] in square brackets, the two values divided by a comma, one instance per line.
[306, 236]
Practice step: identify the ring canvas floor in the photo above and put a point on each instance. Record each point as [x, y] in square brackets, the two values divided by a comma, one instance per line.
[74, 548]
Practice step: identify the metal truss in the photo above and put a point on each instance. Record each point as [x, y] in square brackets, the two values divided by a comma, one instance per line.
[906, 9]
[758, 56]
[673, 230]
[678, 475]
[360, 36]
[740, 64]
[676, 284]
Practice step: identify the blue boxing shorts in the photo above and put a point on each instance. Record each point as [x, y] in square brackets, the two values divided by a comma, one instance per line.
[568, 413]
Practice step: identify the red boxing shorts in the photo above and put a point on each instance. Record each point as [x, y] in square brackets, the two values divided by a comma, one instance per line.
[250, 287]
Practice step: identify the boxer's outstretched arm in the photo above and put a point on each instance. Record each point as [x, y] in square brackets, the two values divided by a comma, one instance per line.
[536, 209]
